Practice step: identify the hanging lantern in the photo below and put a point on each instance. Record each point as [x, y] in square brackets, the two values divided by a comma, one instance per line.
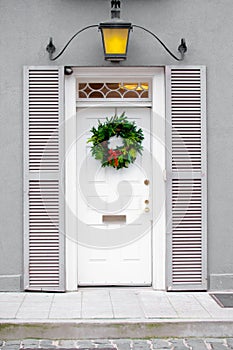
[115, 36]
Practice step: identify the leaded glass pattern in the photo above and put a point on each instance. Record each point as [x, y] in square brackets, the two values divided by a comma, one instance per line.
[113, 90]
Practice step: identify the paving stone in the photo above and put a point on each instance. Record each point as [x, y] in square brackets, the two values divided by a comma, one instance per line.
[214, 340]
[36, 348]
[187, 306]
[96, 304]
[122, 344]
[47, 344]
[13, 342]
[67, 344]
[178, 344]
[30, 344]
[160, 344]
[105, 346]
[103, 343]
[217, 345]
[126, 305]
[85, 344]
[12, 345]
[141, 345]
[230, 343]
[157, 305]
[196, 344]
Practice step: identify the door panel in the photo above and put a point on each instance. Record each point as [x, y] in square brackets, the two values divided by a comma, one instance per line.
[113, 252]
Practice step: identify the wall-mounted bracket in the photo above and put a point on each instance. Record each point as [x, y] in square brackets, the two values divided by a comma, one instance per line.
[50, 48]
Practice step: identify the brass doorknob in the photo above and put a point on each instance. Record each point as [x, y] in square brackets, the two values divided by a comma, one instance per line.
[146, 182]
[146, 201]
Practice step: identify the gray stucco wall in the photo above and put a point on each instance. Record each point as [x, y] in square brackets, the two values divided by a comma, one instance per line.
[25, 27]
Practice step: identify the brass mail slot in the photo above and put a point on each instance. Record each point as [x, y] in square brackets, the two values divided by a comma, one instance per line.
[114, 218]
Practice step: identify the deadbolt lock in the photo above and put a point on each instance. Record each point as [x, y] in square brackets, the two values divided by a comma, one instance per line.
[147, 210]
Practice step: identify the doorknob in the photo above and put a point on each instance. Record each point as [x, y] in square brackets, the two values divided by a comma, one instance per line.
[147, 210]
[146, 182]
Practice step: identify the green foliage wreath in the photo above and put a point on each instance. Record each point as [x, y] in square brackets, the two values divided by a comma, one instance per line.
[121, 156]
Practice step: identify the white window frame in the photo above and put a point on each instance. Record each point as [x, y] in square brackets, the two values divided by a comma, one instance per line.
[157, 76]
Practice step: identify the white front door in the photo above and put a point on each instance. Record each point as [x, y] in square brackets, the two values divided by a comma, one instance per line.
[113, 208]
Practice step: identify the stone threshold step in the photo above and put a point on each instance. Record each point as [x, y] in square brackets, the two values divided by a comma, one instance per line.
[90, 329]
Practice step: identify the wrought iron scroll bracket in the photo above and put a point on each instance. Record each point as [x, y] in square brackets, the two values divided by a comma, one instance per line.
[182, 48]
[51, 47]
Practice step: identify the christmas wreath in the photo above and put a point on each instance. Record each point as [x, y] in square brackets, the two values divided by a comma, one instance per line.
[122, 130]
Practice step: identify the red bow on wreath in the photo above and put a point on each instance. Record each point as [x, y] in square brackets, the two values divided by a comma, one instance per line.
[114, 155]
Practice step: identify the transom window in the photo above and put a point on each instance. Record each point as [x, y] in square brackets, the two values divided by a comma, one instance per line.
[139, 90]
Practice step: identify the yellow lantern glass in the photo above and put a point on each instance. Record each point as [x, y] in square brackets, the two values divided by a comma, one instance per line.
[115, 40]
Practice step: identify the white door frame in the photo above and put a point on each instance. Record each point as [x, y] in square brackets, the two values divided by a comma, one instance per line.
[157, 75]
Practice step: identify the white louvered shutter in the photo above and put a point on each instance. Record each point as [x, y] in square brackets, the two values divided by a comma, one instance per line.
[43, 179]
[186, 177]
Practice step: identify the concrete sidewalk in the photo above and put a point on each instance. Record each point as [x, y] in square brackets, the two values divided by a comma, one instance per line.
[112, 313]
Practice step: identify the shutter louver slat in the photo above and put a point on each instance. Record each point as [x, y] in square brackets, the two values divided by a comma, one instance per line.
[43, 174]
[187, 178]
[43, 132]
[183, 228]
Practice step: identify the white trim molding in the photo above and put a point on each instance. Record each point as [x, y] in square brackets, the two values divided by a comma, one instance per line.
[157, 77]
